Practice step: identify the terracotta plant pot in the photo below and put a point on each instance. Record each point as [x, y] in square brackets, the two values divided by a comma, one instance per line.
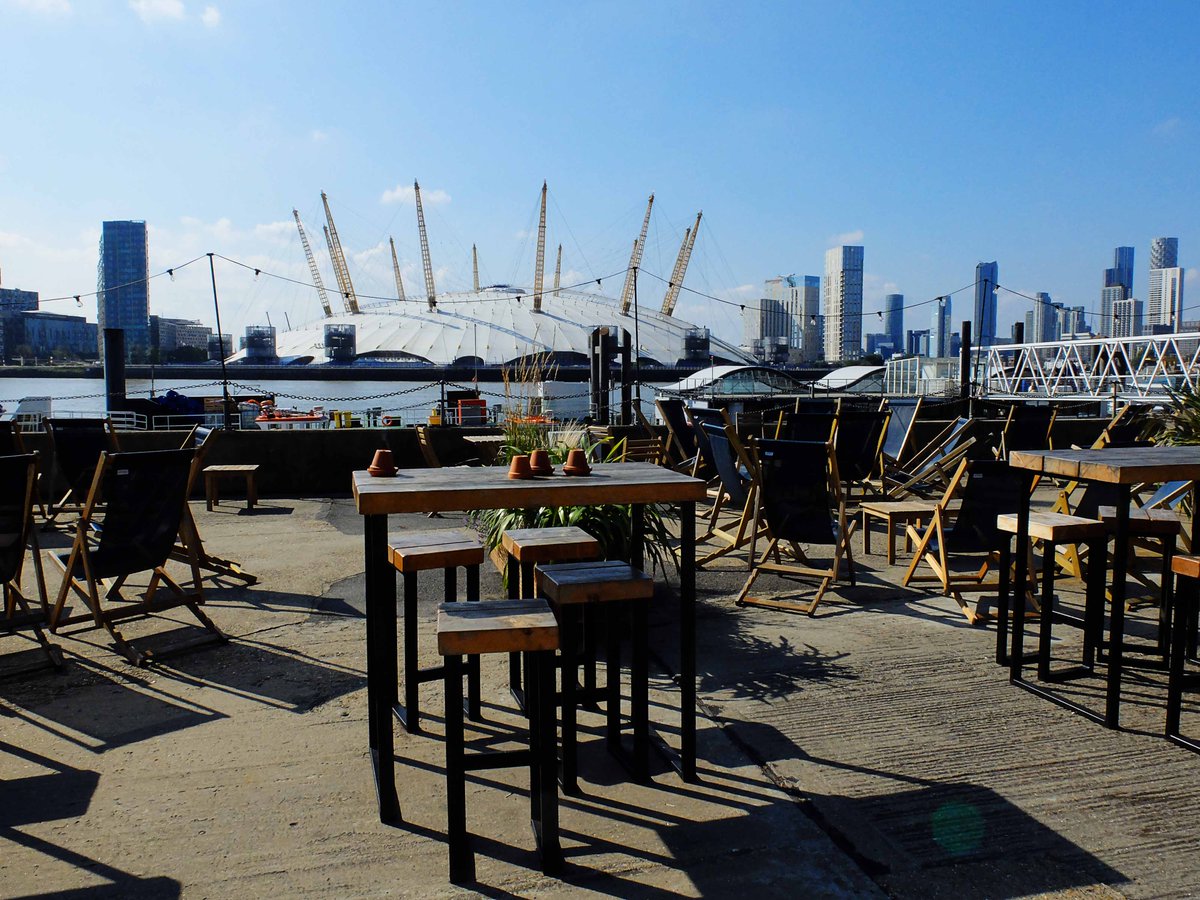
[539, 463]
[577, 463]
[382, 464]
[519, 467]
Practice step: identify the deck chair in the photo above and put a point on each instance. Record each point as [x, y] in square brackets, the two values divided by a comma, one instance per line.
[987, 488]
[697, 416]
[859, 445]
[808, 426]
[682, 454]
[929, 470]
[799, 502]
[738, 488]
[18, 479]
[628, 449]
[816, 405]
[189, 533]
[899, 430]
[1027, 428]
[763, 423]
[77, 445]
[144, 495]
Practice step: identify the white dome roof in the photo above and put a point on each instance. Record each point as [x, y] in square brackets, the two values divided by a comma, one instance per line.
[497, 325]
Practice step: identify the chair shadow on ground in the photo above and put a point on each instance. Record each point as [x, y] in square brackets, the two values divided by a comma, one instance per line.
[58, 791]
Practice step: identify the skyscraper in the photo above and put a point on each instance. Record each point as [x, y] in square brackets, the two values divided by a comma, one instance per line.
[1118, 286]
[1164, 253]
[842, 303]
[942, 329]
[812, 329]
[1127, 318]
[1044, 320]
[122, 284]
[893, 319]
[986, 276]
[1164, 300]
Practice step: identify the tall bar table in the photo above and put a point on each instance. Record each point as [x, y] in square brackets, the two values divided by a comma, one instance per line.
[1124, 467]
[471, 488]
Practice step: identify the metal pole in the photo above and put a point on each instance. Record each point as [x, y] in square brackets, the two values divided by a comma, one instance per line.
[637, 342]
[227, 419]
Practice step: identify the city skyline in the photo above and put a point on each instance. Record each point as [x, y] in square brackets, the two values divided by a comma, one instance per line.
[203, 128]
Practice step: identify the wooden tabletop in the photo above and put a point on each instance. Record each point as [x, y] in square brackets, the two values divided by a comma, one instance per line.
[489, 487]
[1115, 465]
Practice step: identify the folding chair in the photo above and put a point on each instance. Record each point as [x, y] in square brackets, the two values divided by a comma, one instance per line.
[681, 441]
[737, 489]
[77, 445]
[637, 450]
[18, 477]
[808, 426]
[190, 541]
[930, 469]
[859, 445]
[987, 488]
[904, 414]
[1027, 428]
[799, 502]
[144, 496]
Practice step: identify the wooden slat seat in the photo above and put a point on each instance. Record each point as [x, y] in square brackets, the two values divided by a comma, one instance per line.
[212, 482]
[1145, 522]
[440, 549]
[1187, 566]
[593, 582]
[536, 545]
[496, 626]
[1058, 528]
[893, 513]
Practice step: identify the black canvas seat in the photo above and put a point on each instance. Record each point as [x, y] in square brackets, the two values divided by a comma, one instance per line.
[737, 489]
[144, 496]
[859, 443]
[77, 445]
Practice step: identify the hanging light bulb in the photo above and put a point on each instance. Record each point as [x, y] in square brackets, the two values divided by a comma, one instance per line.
[256, 274]
[171, 273]
[78, 302]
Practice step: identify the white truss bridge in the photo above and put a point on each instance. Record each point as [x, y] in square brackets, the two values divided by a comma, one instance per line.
[1132, 369]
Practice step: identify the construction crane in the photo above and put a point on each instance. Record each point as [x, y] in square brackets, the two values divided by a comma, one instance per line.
[430, 292]
[337, 270]
[558, 271]
[681, 264]
[335, 246]
[475, 266]
[396, 271]
[635, 260]
[312, 266]
[539, 266]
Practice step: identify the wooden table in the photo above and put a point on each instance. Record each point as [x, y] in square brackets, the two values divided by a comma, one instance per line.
[1123, 467]
[212, 483]
[470, 488]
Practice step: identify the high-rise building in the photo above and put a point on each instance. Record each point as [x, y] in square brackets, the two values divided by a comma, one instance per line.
[1127, 317]
[1042, 320]
[1164, 253]
[790, 308]
[1164, 300]
[893, 318]
[1072, 320]
[1118, 286]
[811, 337]
[15, 300]
[986, 276]
[943, 328]
[123, 284]
[842, 303]
[765, 319]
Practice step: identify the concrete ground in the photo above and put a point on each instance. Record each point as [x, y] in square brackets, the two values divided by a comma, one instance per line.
[874, 750]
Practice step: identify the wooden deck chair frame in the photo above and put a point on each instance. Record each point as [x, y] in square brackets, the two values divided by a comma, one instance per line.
[877, 462]
[190, 540]
[937, 557]
[1013, 412]
[19, 613]
[153, 601]
[770, 560]
[628, 449]
[737, 531]
[898, 459]
[69, 499]
[683, 455]
[929, 468]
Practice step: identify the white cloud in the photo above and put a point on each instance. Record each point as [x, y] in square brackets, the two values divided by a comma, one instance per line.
[317, 136]
[1168, 127]
[46, 7]
[362, 257]
[403, 193]
[846, 237]
[1191, 279]
[279, 232]
[211, 17]
[744, 289]
[157, 10]
[521, 234]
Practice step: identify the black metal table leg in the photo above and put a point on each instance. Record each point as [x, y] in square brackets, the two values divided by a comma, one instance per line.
[1116, 634]
[513, 573]
[474, 705]
[462, 859]
[544, 761]
[1016, 655]
[1094, 599]
[1047, 616]
[1186, 593]
[1002, 601]
[380, 590]
[687, 640]
[567, 621]
[639, 690]
[410, 713]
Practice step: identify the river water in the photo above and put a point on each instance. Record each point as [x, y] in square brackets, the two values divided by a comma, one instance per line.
[408, 401]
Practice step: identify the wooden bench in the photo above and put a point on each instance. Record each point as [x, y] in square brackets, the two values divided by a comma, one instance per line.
[445, 549]
[571, 589]
[501, 626]
[212, 483]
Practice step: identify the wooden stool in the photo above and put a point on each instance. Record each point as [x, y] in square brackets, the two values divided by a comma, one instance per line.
[445, 549]
[1183, 643]
[501, 626]
[1053, 528]
[571, 588]
[526, 547]
[893, 513]
[1164, 526]
[212, 483]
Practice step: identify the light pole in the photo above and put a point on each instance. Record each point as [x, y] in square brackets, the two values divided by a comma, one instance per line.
[227, 419]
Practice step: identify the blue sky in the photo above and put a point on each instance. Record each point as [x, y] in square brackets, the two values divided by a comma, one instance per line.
[1041, 135]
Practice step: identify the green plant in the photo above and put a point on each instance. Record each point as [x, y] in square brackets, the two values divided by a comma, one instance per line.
[1180, 423]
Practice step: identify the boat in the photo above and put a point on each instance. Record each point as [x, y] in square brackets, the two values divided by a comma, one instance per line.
[275, 418]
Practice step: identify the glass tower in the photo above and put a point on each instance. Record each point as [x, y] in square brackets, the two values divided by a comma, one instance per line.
[842, 303]
[122, 284]
[893, 319]
[986, 276]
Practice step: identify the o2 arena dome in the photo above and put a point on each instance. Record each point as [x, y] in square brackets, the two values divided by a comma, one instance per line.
[496, 326]
[491, 326]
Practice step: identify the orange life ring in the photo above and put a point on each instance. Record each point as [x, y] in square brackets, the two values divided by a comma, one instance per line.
[388, 421]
